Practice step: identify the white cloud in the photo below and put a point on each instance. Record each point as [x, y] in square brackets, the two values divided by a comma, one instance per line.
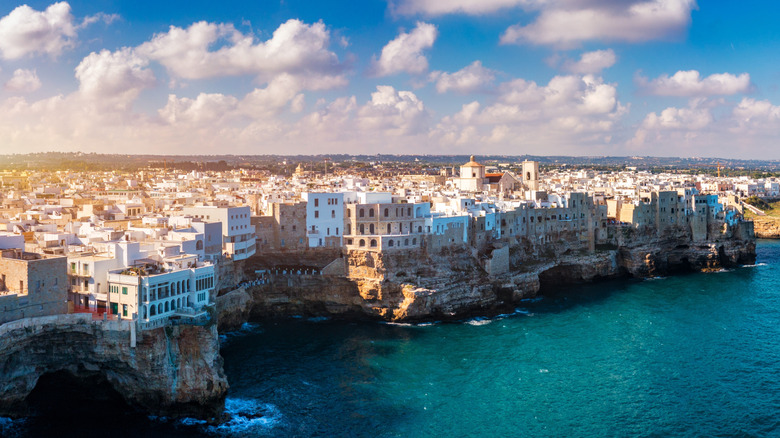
[100, 16]
[569, 112]
[591, 62]
[295, 48]
[471, 78]
[113, 78]
[393, 112]
[441, 7]
[690, 83]
[23, 81]
[27, 31]
[568, 23]
[404, 53]
[693, 118]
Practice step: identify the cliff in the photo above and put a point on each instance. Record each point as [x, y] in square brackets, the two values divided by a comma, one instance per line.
[456, 282]
[767, 227]
[175, 371]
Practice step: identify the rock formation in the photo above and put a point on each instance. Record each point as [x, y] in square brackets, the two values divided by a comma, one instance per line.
[767, 227]
[418, 285]
[174, 371]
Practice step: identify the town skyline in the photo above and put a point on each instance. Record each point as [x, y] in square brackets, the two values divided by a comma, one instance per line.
[502, 77]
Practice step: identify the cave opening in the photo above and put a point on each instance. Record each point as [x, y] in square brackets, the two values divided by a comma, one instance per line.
[62, 398]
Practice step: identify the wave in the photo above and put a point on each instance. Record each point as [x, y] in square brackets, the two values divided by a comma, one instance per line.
[753, 266]
[247, 418]
[479, 321]
[246, 328]
[655, 278]
[409, 324]
[318, 319]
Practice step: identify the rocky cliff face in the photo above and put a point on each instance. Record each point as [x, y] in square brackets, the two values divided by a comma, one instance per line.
[415, 285]
[767, 227]
[175, 371]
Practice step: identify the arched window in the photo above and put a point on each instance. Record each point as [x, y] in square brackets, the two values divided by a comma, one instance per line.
[390, 242]
[414, 241]
[153, 311]
[167, 306]
[362, 242]
[362, 228]
[349, 213]
[373, 243]
[409, 211]
[387, 212]
[419, 229]
[333, 213]
[159, 308]
[406, 242]
[199, 245]
[371, 228]
[362, 213]
[418, 212]
[389, 228]
[371, 213]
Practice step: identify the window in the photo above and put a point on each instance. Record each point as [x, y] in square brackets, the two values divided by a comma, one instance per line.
[362, 213]
[371, 213]
[333, 214]
[124, 309]
[316, 214]
[387, 212]
[124, 290]
[316, 202]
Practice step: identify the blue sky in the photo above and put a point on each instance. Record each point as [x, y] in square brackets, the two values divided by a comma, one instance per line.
[544, 77]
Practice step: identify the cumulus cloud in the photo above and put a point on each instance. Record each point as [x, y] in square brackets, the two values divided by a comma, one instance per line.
[568, 111]
[404, 53]
[695, 117]
[471, 78]
[568, 23]
[690, 83]
[591, 62]
[23, 81]
[113, 78]
[441, 7]
[393, 112]
[27, 31]
[295, 48]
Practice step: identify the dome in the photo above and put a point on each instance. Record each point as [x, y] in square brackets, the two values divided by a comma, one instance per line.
[472, 163]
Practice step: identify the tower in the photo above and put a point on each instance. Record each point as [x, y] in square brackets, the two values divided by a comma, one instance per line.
[531, 174]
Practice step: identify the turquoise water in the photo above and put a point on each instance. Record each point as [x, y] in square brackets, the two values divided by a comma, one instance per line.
[691, 355]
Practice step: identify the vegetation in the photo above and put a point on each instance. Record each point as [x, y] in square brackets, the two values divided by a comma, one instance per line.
[771, 209]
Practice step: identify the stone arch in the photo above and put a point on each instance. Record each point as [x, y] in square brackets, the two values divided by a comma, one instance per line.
[390, 242]
[414, 241]
[373, 243]
[167, 306]
[362, 242]
[199, 245]
[153, 310]
[387, 211]
[370, 212]
[406, 242]
[159, 308]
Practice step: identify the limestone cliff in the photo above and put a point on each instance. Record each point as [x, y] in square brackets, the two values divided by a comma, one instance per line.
[767, 227]
[417, 284]
[175, 371]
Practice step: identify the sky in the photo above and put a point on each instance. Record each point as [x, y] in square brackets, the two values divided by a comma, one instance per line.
[511, 77]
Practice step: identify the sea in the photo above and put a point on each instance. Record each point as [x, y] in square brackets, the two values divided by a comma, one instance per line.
[692, 355]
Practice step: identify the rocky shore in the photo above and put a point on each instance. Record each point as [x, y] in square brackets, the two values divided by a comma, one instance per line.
[174, 371]
[418, 285]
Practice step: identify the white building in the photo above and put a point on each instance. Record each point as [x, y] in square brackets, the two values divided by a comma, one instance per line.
[324, 218]
[238, 235]
[153, 292]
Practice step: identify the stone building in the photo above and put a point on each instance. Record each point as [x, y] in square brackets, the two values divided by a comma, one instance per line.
[385, 225]
[32, 285]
